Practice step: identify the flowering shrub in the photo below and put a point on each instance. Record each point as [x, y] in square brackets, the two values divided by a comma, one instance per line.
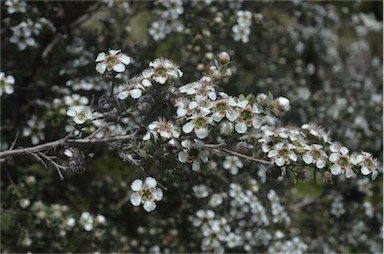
[191, 137]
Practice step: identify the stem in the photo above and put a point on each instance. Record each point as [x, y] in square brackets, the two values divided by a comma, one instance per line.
[63, 142]
[218, 147]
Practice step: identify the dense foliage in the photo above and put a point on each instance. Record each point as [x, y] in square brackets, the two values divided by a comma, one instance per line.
[191, 126]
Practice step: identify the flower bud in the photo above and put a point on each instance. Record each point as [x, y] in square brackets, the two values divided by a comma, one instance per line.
[262, 99]
[258, 17]
[224, 57]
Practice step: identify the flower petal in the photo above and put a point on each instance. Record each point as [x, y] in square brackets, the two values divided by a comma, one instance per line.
[137, 185]
[135, 199]
[158, 194]
[149, 206]
[150, 182]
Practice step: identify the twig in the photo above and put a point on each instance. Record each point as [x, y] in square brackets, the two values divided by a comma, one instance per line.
[62, 142]
[90, 136]
[55, 164]
[14, 142]
[218, 147]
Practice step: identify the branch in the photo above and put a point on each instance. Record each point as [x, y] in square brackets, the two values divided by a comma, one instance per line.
[63, 142]
[218, 147]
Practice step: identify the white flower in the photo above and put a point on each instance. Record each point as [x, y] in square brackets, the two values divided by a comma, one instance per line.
[341, 160]
[158, 30]
[75, 100]
[86, 220]
[201, 191]
[24, 203]
[232, 163]
[100, 220]
[161, 69]
[70, 222]
[367, 163]
[241, 32]
[164, 129]
[15, 6]
[203, 217]
[6, 83]
[80, 114]
[35, 130]
[22, 38]
[315, 155]
[216, 200]
[244, 18]
[280, 105]
[282, 154]
[193, 152]
[199, 124]
[113, 61]
[146, 193]
[247, 116]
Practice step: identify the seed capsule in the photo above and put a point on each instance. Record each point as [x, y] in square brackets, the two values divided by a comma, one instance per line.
[106, 103]
[77, 162]
[273, 172]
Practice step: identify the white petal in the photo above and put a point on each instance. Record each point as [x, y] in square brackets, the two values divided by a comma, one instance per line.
[365, 171]
[349, 173]
[195, 165]
[114, 51]
[293, 156]
[119, 67]
[125, 59]
[146, 83]
[147, 73]
[158, 194]
[100, 57]
[182, 157]
[123, 95]
[279, 162]
[344, 150]
[241, 128]
[188, 127]
[100, 68]
[320, 163]
[149, 206]
[137, 185]
[307, 158]
[202, 133]
[335, 169]
[216, 117]
[333, 157]
[150, 182]
[232, 115]
[186, 143]
[147, 136]
[135, 199]
[136, 93]
[374, 174]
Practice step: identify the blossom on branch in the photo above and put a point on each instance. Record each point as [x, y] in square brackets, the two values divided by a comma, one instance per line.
[193, 152]
[161, 69]
[80, 114]
[113, 61]
[146, 193]
[342, 162]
